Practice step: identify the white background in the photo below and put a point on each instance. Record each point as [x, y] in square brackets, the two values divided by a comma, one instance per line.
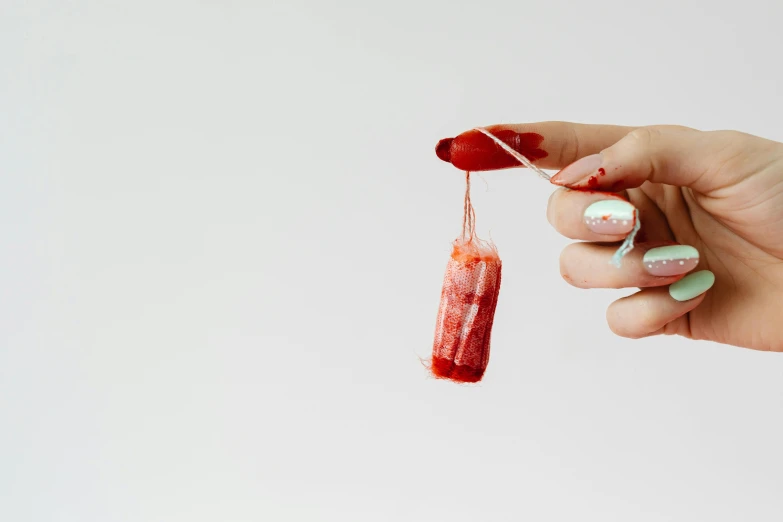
[223, 231]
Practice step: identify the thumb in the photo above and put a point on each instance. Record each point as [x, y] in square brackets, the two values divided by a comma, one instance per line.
[660, 154]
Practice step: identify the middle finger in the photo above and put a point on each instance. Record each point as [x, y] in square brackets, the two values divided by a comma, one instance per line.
[586, 265]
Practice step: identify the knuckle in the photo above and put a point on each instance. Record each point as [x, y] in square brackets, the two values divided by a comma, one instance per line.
[640, 147]
[734, 142]
[673, 128]
[569, 148]
[643, 137]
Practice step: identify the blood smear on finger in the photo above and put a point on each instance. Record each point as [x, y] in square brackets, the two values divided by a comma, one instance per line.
[467, 305]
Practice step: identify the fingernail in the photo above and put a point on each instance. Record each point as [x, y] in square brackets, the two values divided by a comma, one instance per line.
[578, 170]
[671, 260]
[610, 216]
[692, 285]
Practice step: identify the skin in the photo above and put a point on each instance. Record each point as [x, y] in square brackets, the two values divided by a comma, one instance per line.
[720, 192]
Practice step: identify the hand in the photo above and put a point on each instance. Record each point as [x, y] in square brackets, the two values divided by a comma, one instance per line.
[711, 211]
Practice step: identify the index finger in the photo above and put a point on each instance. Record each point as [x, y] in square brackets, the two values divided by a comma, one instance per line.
[549, 144]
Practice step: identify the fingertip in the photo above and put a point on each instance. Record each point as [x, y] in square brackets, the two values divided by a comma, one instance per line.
[443, 149]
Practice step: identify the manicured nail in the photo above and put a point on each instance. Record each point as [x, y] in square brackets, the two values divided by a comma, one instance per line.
[610, 216]
[578, 170]
[692, 285]
[671, 260]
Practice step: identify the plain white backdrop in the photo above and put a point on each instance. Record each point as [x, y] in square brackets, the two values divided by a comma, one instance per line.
[223, 231]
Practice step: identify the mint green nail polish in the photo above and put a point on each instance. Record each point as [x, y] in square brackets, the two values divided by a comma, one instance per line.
[692, 285]
[610, 216]
[671, 260]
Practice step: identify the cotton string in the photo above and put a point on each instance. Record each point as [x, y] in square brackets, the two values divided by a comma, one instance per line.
[519, 157]
[468, 214]
[627, 244]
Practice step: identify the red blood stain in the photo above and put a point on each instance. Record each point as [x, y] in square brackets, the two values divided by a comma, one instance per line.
[592, 184]
[446, 369]
[467, 309]
[641, 236]
[606, 217]
[589, 191]
[473, 151]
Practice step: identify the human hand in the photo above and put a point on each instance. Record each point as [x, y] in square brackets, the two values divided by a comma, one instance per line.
[711, 211]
